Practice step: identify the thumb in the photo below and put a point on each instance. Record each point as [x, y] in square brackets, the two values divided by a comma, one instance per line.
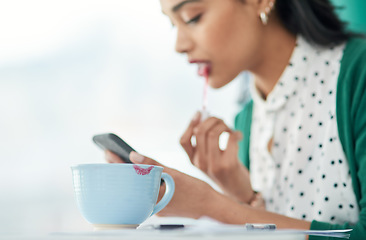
[235, 137]
[140, 159]
[239, 135]
[233, 141]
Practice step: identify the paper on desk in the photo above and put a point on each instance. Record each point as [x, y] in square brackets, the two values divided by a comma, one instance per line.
[227, 229]
[208, 224]
[345, 233]
[238, 229]
[211, 229]
[195, 233]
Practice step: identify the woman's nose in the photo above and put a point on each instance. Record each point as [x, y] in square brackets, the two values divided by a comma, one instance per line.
[183, 42]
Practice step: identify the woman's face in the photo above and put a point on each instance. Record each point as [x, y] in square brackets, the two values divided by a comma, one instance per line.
[224, 36]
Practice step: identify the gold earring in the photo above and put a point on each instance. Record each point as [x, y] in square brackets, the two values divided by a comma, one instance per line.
[264, 18]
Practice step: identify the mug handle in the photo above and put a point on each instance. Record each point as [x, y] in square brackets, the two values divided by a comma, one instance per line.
[169, 192]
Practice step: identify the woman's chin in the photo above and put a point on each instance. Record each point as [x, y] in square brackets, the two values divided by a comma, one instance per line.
[216, 82]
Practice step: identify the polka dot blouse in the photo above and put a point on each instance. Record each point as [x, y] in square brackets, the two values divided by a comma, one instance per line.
[297, 160]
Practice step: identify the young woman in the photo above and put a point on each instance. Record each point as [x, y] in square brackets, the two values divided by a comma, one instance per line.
[298, 155]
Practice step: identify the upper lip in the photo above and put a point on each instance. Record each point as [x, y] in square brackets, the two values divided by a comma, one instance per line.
[197, 61]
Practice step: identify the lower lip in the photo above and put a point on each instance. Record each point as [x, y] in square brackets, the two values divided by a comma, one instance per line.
[204, 71]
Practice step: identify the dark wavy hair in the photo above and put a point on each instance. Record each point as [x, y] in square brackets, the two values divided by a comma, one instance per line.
[315, 20]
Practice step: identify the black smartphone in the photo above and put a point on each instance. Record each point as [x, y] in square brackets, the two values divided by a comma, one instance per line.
[113, 143]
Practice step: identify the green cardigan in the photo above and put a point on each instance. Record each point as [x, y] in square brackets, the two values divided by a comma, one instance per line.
[351, 119]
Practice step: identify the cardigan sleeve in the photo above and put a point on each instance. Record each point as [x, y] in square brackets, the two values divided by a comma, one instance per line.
[351, 118]
[243, 122]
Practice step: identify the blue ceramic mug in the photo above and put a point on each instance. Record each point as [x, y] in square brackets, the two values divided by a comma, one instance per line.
[119, 195]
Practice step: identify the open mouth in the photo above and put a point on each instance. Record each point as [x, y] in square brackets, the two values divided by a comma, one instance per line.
[204, 69]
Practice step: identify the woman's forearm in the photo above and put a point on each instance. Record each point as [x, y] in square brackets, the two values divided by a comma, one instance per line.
[229, 211]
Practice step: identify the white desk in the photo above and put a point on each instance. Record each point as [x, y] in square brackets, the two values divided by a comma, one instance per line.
[160, 235]
[193, 230]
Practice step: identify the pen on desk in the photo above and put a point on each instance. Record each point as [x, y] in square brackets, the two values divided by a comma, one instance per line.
[169, 226]
[251, 226]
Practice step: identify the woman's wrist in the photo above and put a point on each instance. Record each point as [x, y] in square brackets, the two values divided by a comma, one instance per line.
[257, 201]
[224, 209]
[253, 197]
[238, 185]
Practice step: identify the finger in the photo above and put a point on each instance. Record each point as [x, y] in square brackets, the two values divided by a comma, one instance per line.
[213, 141]
[140, 159]
[185, 140]
[233, 142]
[111, 157]
[201, 132]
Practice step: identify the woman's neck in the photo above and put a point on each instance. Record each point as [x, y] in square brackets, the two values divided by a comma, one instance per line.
[275, 55]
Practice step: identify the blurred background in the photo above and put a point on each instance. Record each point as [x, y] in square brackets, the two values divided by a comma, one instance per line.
[72, 69]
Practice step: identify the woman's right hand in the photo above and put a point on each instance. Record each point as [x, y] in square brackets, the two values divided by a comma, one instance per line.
[256, 202]
[223, 166]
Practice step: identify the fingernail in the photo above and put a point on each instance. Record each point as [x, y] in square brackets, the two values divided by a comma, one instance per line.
[136, 158]
[196, 116]
[108, 157]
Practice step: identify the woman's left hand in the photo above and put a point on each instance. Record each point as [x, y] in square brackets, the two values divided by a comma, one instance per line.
[223, 166]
